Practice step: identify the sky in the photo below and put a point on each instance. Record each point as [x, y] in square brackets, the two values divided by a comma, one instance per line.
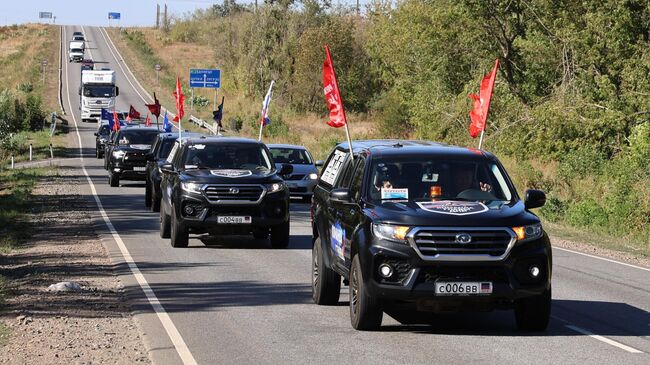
[95, 12]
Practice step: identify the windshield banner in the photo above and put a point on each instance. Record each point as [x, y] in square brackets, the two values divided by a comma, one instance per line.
[453, 207]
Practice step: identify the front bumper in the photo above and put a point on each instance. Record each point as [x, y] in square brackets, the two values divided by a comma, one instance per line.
[272, 210]
[125, 169]
[301, 187]
[414, 278]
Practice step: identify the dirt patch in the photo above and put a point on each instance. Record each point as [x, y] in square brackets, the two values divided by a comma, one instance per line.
[92, 325]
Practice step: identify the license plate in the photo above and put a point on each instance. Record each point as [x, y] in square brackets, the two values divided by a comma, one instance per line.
[463, 288]
[139, 168]
[228, 219]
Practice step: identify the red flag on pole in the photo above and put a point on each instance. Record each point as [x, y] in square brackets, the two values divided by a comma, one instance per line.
[332, 94]
[134, 114]
[147, 121]
[155, 107]
[116, 122]
[481, 104]
[180, 99]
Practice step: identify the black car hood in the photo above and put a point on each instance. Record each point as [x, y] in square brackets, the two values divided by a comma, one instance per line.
[228, 176]
[132, 148]
[451, 213]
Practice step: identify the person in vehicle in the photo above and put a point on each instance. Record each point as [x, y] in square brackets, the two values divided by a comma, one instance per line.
[463, 179]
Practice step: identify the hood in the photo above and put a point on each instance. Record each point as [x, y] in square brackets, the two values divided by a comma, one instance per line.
[452, 213]
[229, 176]
[133, 148]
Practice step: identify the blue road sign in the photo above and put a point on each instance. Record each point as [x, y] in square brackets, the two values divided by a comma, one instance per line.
[113, 15]
[205, 78]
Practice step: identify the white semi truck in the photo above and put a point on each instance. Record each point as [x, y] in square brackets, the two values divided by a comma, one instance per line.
[97, 91]
[76, 51]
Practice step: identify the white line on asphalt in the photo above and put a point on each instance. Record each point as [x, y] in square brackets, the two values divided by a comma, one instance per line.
[604, 339]
[601, 258]
[175, 336]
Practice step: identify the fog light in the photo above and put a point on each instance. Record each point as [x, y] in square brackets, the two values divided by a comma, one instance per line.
[534, 271]
[189, 210]
[278, 210]
[385, 270]
[116, 170]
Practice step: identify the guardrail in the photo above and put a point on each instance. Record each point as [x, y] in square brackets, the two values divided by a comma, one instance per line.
[203, 124]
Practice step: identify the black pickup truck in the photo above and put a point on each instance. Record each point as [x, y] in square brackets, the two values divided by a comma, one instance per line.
[223, 185]
[416, 227]
[126, 153]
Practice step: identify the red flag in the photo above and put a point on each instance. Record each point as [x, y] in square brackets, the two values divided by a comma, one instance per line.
[175, 120]
[116, 122]
[147, 122]
[332, 94]
[481, 103]
[180, 99]
[133, 114]
[155, 107]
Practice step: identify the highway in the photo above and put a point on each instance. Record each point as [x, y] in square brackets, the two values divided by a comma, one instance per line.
[235, 300]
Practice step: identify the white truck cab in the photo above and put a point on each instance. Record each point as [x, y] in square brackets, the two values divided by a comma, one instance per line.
[76, 51]
[97, 91]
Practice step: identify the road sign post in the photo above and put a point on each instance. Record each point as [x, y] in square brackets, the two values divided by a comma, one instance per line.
[43, 66]
[157, 67]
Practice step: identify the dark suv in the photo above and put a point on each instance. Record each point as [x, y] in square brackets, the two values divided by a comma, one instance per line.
[101, 137]
[416, 226]
[222, 185]
[155, 158]
[126, 153]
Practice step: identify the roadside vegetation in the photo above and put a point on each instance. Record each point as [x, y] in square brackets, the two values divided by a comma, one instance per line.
[26, 97]
[569, 115]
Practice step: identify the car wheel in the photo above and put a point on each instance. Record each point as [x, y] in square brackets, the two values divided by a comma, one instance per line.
[179, 234]
[114, 180]
[325, 282]
[147, 194]
[533, 313]
[365, 313]
[261, 235]
[280, 235]
[165, 228]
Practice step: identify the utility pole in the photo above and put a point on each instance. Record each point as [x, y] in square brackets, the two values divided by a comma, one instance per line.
[157, 16]
[358, 9]
[165, 23]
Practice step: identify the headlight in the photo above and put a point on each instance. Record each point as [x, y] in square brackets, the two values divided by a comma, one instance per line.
[390, 232]
[275, 187]
[191, 187]
[118, 154]
[528, 233]
[312, 176]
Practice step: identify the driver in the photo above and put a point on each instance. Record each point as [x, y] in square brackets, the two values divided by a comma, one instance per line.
[463, 179]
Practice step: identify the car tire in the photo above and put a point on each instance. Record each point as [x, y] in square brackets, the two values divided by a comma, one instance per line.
[147, 194]
[155, 201]
[165, 227]
[365, 312]
[325, 282]
[280, 235]
[261, 235]
[533, 313]
[114, 180]
[179, 234]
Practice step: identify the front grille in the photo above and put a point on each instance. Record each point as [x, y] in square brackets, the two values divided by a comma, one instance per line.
[135, 159]
[234, 193]
[296, 177]
[442, 243]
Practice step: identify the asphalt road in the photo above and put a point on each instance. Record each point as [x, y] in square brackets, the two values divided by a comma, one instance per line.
[235, 300]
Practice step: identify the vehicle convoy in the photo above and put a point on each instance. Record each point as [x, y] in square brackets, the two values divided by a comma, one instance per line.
[304, 177]
[223, 185]
[97, 91]
[418, 227]
[155, 158]
[127, 157]
[76, 51]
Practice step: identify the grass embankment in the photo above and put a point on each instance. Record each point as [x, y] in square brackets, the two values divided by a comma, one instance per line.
[22, 50]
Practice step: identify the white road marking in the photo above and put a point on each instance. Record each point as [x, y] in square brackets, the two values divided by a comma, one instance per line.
[603, 339]
[601, 258]
[175, 336]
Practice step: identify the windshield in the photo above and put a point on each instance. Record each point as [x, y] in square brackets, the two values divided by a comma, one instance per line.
[76, 50]
[290, 155]
[227, 156]
[129, 137]
[166, 147]
[421, 178]
[99, 91]
[104, 130]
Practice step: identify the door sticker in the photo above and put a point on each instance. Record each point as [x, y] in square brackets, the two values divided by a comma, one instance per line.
[454, 207]
[338, 237]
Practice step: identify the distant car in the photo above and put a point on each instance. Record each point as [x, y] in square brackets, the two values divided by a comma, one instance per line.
[127, 159]
[76, 33]
[87, 64]
[78, 37]
[304, 177]
[155, 158]
[101, 137]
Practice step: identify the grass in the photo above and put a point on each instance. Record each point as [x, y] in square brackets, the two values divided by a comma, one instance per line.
[40, 142]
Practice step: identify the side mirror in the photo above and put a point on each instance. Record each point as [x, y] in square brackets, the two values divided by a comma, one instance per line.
[167, 167]
[95, 134]
[340, 195]
[319, 163]
[117, 91]
[286, 169]
[534, 199]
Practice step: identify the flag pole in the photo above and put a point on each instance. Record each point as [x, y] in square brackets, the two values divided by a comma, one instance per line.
[480, 140]
[347, 133]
